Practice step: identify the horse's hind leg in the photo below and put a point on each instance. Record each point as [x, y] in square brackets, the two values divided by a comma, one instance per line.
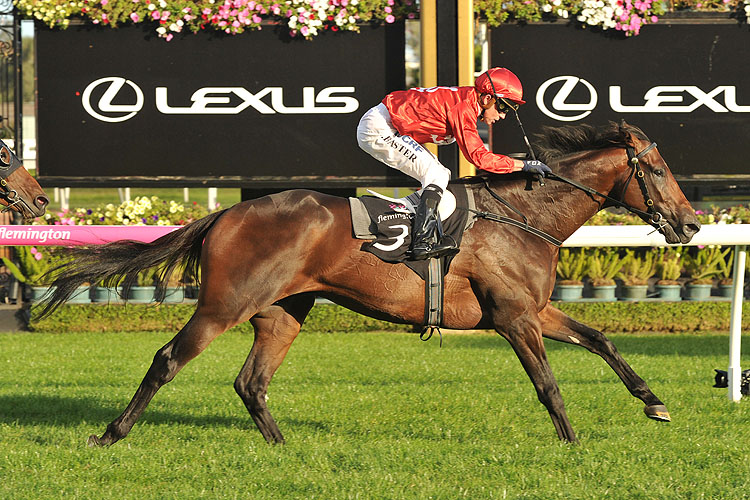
[194, 337]
[276, 327]
[557, 325]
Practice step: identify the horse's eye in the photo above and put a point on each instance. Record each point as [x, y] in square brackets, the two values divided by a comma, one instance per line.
[659, 172]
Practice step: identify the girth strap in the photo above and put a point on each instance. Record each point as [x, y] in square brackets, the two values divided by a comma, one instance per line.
[433, 300]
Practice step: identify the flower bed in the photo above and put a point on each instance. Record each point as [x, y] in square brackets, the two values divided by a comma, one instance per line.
[308, 18]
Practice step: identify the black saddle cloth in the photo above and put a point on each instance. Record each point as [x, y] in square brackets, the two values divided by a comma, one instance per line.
[392, 228]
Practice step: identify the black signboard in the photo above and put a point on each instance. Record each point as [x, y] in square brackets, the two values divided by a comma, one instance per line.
[685, 84]
[125, 107]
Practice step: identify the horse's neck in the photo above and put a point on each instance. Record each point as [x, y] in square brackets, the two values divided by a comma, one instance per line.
[556, 208]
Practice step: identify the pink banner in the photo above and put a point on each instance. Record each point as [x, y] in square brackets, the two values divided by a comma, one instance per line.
[79, 235]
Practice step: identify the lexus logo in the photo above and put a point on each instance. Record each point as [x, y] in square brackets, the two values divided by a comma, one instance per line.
[560, 101]
[659, 99]
[116, 112]
[210, 100]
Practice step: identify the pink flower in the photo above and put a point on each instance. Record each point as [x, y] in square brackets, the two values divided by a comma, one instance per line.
[134, 17]
[38, 256]
[105, 2]
[34, 251]
[156, 14]
[388, 9]
[169, 37]
[654, 19]
[304, 30]
[390, 18]
[256, 19]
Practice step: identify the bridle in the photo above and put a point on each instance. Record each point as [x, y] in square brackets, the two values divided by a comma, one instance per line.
[9, 163]
[651, 215]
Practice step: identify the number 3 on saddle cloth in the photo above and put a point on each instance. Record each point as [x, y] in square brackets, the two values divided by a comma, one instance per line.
[386, 224]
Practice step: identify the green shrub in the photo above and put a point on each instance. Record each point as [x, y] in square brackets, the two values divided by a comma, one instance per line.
[669, 265]
[604, 316]
[705, 264]
[636, 270]
[603, 266]
[571, 266]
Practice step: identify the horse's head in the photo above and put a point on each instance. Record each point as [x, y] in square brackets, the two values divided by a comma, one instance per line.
[648, 186]
[19, 191]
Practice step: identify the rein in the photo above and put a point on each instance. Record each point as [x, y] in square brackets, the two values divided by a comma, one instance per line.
[653, 217]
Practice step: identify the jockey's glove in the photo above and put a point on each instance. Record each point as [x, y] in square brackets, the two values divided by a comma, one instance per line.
[536, 167]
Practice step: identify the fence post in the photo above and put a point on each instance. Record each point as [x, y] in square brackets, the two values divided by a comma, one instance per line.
[734, 373]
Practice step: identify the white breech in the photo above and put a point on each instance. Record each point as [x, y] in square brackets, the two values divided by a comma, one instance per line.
[376, 135]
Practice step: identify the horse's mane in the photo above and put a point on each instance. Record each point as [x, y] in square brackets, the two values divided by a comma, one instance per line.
[556, 142]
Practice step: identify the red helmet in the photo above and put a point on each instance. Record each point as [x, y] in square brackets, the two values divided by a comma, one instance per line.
[500, 82]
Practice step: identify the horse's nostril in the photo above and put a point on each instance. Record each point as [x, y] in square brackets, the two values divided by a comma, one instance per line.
[41, 201]
[692, 228]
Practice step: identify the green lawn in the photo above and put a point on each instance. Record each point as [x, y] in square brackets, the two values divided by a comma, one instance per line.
[371, 415]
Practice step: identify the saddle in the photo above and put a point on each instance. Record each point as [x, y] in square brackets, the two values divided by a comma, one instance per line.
[386, 224]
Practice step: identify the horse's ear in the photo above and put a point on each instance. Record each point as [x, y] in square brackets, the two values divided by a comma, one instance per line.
[625, 133]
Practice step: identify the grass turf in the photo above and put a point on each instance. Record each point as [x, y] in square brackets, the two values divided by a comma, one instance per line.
[372, 415]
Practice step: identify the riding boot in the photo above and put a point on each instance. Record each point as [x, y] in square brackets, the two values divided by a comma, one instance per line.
[427, 241]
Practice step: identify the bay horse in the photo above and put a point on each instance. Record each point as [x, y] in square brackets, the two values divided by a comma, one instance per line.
[19, 191]
[265, 260]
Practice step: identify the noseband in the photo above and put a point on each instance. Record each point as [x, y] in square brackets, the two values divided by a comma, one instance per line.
[9, 163]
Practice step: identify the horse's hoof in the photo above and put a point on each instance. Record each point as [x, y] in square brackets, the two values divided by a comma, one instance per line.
[93, 441]
[657, 412]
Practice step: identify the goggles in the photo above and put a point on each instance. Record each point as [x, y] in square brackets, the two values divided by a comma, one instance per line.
[504, 105]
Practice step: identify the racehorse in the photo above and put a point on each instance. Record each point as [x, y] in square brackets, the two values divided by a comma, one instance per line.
[19, 191]
[265, 260]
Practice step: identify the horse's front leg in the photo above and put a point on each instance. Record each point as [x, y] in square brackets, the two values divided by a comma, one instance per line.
[524, 332]
[557, 325]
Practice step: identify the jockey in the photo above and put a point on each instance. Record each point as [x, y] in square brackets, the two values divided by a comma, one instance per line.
[395, 130]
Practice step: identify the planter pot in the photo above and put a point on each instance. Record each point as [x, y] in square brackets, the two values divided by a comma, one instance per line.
[37, 292]
[603, 292]
[80, 296]
[174, 295]
[141, 294]
[696, 291]
[669, 292]
[634, 292]
[726, 291]
[104, 294]
[569, 292]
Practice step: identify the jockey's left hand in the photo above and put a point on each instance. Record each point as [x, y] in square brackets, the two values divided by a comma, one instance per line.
[536, 167]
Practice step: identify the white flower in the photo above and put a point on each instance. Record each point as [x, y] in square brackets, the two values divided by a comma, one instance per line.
[546, 7]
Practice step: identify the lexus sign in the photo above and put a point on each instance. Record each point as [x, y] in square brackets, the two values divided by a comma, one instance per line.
[211, 100]
[242, 110]
[682, 84]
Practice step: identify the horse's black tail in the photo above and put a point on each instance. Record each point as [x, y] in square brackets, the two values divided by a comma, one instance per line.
[118, 263]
